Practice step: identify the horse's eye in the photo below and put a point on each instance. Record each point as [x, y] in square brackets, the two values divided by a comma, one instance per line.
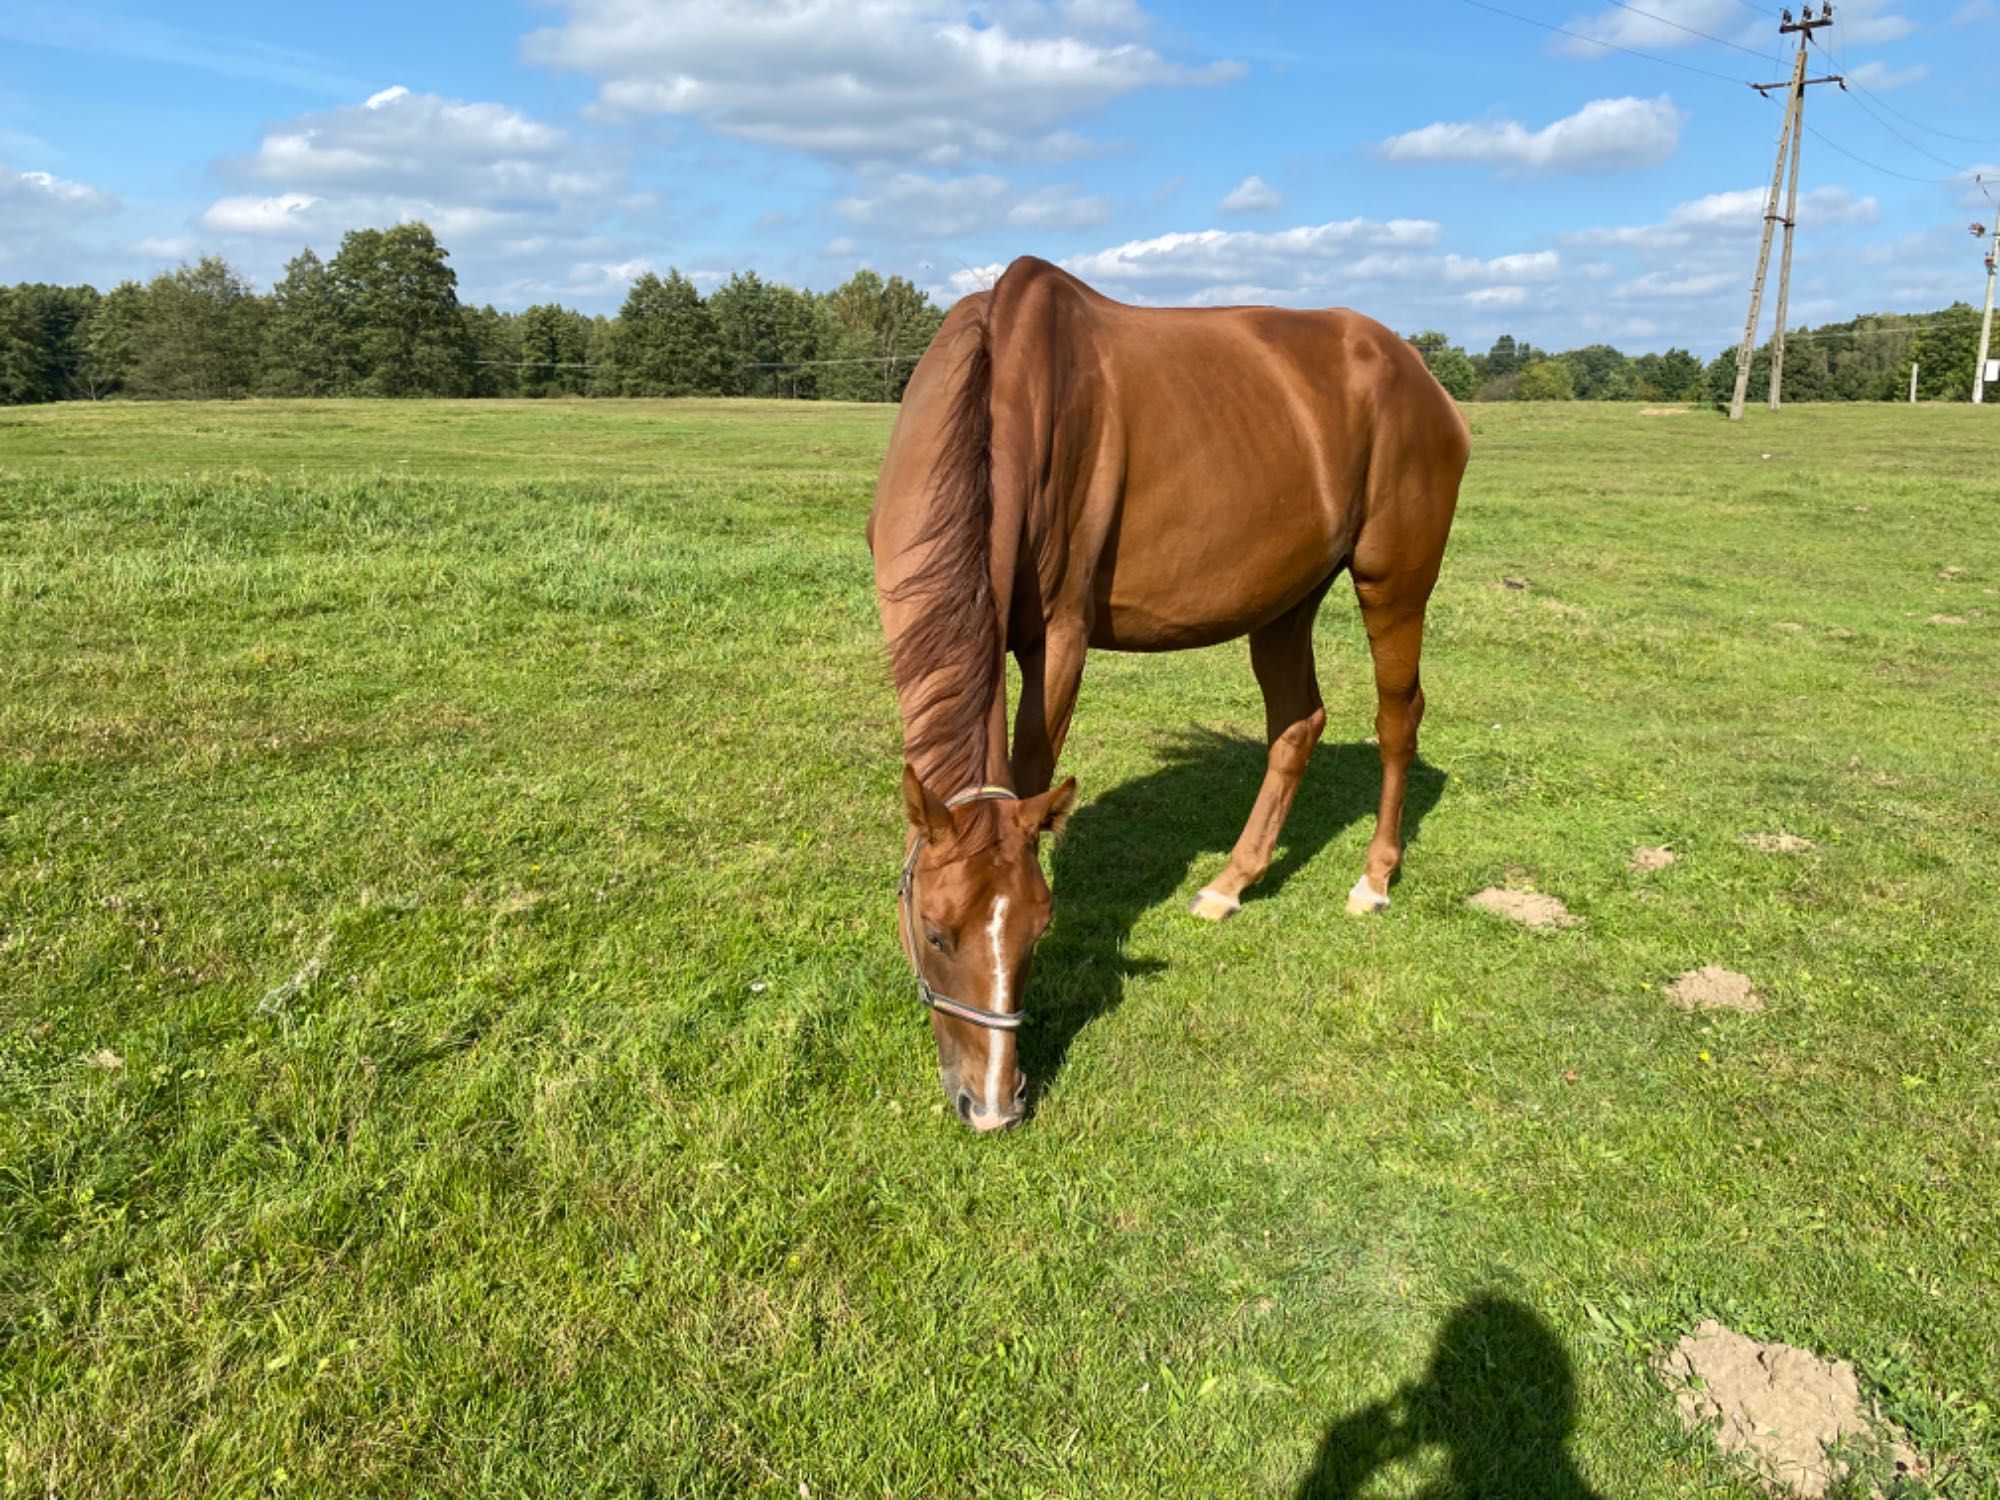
[934, 939]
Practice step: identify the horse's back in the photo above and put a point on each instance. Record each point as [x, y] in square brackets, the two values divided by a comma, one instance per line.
[1242, 450]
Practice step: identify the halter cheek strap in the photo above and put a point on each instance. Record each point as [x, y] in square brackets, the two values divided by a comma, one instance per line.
[906, 893]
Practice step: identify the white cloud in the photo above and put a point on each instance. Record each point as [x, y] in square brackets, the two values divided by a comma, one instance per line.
[282, 213]
[166, 246]
[428, 146]
[1605, 135]
[1881, 77]
[911, 205]
[1667, 284]
[1223, 255]
[1252, 195]
[500, 188]
[1061, 207]
[888, 80]
[40, 201]
[1310, 265]
[1663, 24]
[1737, 212]
[40, 213]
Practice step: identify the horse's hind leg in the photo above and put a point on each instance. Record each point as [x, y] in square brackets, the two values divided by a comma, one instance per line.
[1281, 654]
[1393, 612]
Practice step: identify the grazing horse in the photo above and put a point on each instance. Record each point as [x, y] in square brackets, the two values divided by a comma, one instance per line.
[1069, 472]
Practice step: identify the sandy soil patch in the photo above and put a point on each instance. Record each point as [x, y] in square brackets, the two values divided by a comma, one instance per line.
[1779, 843]
[1647, 858]
[1952, 574]
[1788, 625]
[1515, 583]
[1776, 1407]
[1531, 909]
[1947, 620]
[1663, 411]
[1712, 987]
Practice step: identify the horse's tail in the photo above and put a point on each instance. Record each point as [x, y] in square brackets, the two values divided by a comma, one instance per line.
[950, 647]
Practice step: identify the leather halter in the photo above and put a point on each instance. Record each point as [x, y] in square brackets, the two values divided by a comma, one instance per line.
[906, 894]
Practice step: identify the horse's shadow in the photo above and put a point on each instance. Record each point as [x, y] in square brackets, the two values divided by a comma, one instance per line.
[1131, 849]
[1499, 1399]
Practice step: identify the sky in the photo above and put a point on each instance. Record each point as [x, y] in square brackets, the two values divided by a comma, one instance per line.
[1566, 171]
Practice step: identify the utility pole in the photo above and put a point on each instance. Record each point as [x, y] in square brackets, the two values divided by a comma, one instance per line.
[1986, 323]
[1790, 139]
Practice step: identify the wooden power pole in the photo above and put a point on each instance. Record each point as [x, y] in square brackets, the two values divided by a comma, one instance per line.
[1790, 138]
[1986, 320]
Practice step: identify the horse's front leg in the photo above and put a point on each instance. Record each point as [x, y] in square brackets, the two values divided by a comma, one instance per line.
[1050, 675]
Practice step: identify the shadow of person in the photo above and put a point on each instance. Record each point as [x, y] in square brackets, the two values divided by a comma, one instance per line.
[1131, 849]
[1499, 1399]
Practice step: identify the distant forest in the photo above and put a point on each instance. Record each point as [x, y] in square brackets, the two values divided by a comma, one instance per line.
[382, 318]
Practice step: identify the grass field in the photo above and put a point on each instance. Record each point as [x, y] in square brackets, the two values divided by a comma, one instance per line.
[453, 1038]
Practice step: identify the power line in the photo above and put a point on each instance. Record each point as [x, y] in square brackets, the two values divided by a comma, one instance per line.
[1875, 166]
[1596, 42]
[1970, 140]
[1920, 150]
[1704, 35]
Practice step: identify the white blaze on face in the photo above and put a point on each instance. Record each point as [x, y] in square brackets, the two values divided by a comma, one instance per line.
[995, 926]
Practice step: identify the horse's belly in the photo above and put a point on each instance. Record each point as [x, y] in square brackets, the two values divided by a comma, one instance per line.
[1180, 576]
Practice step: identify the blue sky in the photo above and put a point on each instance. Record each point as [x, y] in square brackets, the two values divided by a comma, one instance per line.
[1434, 163]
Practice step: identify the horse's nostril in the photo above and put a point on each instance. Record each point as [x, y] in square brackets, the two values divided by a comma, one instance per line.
[1021, 1090]
[964, 1104]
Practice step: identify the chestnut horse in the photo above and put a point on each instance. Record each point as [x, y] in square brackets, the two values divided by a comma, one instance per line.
[1069, 472]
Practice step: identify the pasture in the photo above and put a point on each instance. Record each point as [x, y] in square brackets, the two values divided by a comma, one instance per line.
[453, 1037]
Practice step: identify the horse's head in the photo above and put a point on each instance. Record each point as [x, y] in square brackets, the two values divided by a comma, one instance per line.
[973, 905]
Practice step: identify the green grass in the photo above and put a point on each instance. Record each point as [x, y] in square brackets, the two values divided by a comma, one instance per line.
[453, 1039]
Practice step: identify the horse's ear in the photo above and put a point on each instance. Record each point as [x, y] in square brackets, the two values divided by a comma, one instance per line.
[1048, 812]
[926, 813]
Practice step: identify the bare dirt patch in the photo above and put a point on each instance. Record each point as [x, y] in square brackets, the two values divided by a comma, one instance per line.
[1779, 843]
[1952, 574]
[1712, 987]
[1946, 620]
[1515, 583]
[1646, 859]
[1663, 411]
[1531, 909]
[1778, 1408]
[1788, 625]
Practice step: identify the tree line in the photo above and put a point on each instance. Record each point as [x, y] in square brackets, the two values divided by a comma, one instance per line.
[382, 318]
[1864, 359]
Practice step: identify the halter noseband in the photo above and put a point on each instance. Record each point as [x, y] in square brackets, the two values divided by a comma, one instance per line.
[906, 894]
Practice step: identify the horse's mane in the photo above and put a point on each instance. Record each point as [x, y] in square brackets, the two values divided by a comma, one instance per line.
[946, 658]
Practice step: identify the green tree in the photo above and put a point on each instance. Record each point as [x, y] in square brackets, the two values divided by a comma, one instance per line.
[1599, 372]
[745, 314]
[1678, 376]
[198, 336]
[1546, 380]
[1504, 358]
[306, 346]
[400, 301]
[877, 330]
[665, 343]
[44, 342]
[117, 334]
[1945, 350]
[1449, 363]
[555, 348]
[493, 349]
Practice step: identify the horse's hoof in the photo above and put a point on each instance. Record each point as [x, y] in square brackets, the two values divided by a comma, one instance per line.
[1213, 906]
[1364, 900]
